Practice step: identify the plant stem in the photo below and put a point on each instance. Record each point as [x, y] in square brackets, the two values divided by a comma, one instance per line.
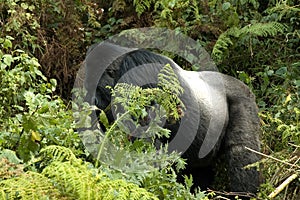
[107, 134]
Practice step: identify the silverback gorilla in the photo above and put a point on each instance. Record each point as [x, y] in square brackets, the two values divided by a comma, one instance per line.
[220, 117]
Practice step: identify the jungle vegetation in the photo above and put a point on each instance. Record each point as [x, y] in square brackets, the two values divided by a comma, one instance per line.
[43, 44]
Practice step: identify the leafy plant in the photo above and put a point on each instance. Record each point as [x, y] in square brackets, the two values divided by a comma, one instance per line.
[55, 32]
[256, 41]
[130, 146]
[30, 185]
[245, 34]
[31, 116]
[71, 179]
[173, 14]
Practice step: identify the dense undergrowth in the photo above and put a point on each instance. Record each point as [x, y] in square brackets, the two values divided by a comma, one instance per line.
[43, 44]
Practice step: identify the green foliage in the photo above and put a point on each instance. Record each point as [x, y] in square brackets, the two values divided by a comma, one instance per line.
[142, 6]
[171, 90]
[55, 32]
[280, 106]
[30, 185]
[79, 182]
[137, 100]
[263, 30]
[69, 179]
[18, 17]
[256, 41]
[164, 184]
[31, 117]
[55, 153]
[10, 156]
[172, 14]
[265, 55]
[138, 160]
[31, 18]
[285, 10]
[18, 72]
[246, 34]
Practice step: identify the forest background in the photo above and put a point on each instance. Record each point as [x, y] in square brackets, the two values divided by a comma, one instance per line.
[43, 44]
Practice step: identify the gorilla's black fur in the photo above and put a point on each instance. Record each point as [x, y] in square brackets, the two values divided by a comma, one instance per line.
[236, 125]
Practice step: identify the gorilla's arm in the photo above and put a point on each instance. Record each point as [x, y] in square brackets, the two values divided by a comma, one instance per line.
[242, 131]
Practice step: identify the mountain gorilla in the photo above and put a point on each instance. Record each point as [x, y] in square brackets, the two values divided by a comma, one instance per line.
[220, 116]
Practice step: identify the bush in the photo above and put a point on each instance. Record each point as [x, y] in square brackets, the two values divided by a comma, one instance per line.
[55, 32]
[31, 117]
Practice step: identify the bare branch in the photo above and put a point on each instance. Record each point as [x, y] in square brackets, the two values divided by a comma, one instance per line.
[283, 185]
[273, 158]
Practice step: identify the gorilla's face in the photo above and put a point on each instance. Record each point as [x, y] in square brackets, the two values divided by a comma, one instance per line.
[103, 92]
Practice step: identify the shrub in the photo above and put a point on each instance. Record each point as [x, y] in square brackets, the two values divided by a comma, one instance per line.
[31, 117]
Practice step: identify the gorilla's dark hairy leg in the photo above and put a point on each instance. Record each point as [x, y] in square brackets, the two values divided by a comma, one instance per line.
[242, 131]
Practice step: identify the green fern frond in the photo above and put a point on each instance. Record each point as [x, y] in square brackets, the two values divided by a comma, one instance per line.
[57, 153]
[222, 44]
[263, 29]
[284, 9]
[142, 5]
[120, 189]
[227, 38]
[30, 185]
[168, 80]
[72, 180]
[169, 98]
[132, 98]
[80, 182]
[136, 99]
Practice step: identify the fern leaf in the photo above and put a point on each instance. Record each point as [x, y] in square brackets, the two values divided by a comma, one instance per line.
[79, 182]
[57, 153]
[73, 180]
[120, 189]
[169, 98]
[264, 29]
[284, 10]
[225, 40]
[168, 80]
[30, 185]
[142, 5]
[221, 46]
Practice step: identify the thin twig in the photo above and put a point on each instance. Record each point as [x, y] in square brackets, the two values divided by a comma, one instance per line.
[271, 157]
[220, 197]
[283, 185]
[240, 194]
[297, 146]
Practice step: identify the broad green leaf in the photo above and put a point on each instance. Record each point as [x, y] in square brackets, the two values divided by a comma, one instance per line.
[7, 59]
[226, 5]
[7, 44]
